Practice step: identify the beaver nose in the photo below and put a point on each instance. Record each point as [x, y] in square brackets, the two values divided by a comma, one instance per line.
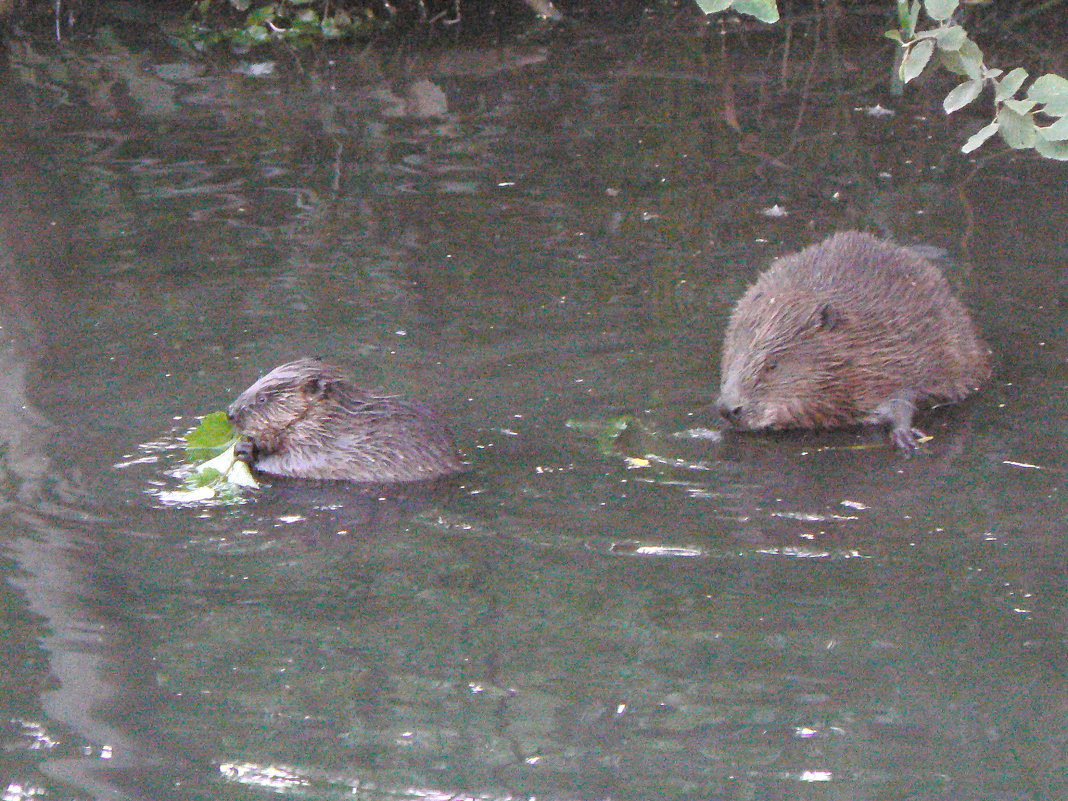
[729, 411]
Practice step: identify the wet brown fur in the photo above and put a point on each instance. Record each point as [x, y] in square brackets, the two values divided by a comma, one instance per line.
[851, 330]
[305, 419]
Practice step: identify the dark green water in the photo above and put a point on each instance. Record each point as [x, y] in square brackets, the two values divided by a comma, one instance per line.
[522, 237]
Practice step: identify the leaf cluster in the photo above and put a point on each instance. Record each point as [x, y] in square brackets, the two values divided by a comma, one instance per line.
[1037, 118]
[217, 472]
[1028, 114]
[297, 22]
[763, 10]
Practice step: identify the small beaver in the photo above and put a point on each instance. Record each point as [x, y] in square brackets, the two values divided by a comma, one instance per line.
[304, 419]
[851, 330]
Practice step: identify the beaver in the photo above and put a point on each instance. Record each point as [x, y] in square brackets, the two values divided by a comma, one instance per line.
[852, 330]
[305, 419]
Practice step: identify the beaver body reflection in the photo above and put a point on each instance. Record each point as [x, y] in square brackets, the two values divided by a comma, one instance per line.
[305, 419]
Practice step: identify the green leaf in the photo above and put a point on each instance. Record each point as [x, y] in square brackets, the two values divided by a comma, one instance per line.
[213, 436]
[916, 59]
[951, 38]
[1052, 91]
[1048, 89]
[1021, 107]
[764, 10]
[224, 473]
[967, 61]
[714, 6]
[940, 9]
[914, 16]
[253, 34]
[962, 95]
[1057, 132]
[204, 478]
[241, 476]
[980, 136]
[606, 432]
[1056, 108]
[330, 29]
[261, 15]
[1018, 130]
[893, 34]
[1052, 150]
[1010, 84]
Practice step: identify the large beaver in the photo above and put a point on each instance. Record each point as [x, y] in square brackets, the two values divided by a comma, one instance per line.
[852, 330]
[304, 419]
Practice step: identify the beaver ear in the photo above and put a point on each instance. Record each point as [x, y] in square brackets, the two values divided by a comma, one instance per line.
[316, 387]
[829, 317]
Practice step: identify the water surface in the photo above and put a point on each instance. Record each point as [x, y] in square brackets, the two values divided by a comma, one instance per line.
[537, 240]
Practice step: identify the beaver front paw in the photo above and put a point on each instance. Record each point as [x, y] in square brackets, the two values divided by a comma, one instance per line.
[245, 451]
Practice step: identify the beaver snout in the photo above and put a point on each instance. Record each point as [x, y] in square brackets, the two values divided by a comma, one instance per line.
[730, 411]
[233, 414]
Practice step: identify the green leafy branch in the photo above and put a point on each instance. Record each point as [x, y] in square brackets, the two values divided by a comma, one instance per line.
[216, 473]
[294, 21]
[1037, 118]
[763, 10]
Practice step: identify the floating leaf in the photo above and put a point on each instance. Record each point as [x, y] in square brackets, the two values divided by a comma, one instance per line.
[211, 447]
[225, 475]
[606, 432]
[194, 495]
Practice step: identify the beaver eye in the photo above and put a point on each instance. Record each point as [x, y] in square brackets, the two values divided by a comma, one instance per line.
[261, 399]
[771, 367]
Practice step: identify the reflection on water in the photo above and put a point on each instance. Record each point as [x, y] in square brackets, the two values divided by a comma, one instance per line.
[539, 242]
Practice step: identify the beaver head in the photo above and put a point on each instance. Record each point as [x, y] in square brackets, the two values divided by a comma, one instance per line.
[287, 397]
[782, 364]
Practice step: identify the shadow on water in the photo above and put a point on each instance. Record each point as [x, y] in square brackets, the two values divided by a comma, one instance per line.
[529, 238]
